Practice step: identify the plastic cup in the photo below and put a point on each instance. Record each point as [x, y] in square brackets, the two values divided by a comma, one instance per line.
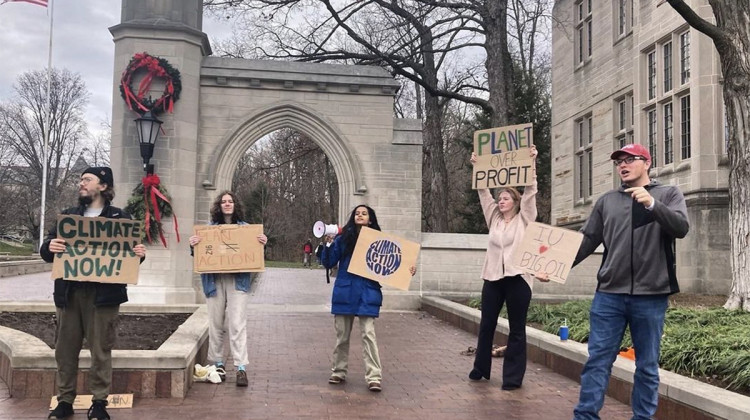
[564, 332]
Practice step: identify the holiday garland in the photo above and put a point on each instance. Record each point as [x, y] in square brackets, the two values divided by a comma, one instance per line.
[154, 67]
[149, 203]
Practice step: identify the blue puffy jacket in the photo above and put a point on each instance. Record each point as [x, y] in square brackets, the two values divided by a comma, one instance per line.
[352, 294]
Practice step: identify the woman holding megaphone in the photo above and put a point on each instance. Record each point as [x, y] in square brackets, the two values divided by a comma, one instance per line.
[354, 296]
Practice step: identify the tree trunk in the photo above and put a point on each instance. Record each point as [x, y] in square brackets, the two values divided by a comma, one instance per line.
[434, 171]
[738, 110]
[499, 63]
[731, 35]
[734, 18]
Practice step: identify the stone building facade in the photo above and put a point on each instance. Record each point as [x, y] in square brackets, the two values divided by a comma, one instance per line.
[633, 71]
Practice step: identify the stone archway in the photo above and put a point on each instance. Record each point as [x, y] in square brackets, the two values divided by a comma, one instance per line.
[227, 104]
[287, 114]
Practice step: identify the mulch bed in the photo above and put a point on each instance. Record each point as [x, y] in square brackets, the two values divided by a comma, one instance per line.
[134, 331]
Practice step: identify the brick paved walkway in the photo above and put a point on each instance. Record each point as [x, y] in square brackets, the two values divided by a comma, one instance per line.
[290, 341]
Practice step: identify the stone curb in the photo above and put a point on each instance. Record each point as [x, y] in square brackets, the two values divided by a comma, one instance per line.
[690, 393]
[28, 352]
[19, 268]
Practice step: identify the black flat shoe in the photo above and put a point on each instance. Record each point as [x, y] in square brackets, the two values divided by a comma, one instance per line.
[62, 411]
[510, 387]
[476, 375]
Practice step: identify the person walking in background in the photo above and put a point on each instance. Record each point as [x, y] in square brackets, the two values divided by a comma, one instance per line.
[226, 296]
[307, 248]
[319, 252]
[507, 218]
[86, 310]
[638, 224]
[354, 296]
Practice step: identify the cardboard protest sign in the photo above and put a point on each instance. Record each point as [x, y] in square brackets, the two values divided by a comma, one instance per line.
[384, 258]
[228, 249]
[99, 249]
[83, 402]
[503, 157]
[547, 249]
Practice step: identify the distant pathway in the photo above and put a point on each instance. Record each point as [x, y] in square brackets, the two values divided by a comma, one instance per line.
[290, 341]
[29, 287]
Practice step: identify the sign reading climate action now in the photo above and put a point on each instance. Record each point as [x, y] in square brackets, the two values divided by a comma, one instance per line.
[384, 258]
[503, 158]
[98, 249]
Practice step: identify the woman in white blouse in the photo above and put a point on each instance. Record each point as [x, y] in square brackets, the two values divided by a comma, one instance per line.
[507, 218]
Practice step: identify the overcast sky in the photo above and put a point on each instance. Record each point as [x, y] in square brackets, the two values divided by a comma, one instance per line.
[82, 43]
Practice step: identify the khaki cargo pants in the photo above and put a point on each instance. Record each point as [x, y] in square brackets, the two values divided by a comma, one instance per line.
[79, 320]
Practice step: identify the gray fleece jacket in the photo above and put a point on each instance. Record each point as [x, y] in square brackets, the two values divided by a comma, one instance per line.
[639, 256]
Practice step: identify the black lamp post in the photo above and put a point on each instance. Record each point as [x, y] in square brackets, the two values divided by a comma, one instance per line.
[148, 127]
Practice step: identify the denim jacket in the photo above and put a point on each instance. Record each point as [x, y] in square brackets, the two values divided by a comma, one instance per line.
[241, 280]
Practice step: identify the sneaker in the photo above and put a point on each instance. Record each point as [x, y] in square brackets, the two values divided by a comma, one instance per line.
[222, 372]
[335, 380]
[374, 387]
[62, 411]
[98, 410]
[241, 378]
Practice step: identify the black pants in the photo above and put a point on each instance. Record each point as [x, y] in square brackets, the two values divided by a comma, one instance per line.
[516, 292]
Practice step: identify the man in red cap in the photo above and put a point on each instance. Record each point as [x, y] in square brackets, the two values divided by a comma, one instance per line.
[637, 224]
[86, 309]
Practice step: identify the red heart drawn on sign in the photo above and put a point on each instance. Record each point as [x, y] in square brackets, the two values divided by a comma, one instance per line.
[543, 248]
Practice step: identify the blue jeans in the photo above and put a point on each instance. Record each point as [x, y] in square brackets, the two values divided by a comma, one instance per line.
[609, 315]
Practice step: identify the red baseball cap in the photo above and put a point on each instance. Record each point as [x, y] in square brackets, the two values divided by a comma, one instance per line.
[634, 149]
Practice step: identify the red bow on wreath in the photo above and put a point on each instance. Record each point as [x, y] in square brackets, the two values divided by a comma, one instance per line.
[151, 189]
[155, 67]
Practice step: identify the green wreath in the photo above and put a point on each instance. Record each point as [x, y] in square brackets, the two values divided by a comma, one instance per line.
[154, 67]
[141, 207]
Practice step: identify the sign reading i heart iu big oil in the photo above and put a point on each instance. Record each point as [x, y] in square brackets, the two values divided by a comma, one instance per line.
[503, 158]
[384, 258]
[98, 249]
[547, 249]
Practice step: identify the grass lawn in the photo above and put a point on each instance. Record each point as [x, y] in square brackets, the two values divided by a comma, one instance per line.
[288, 264]
[15, 250]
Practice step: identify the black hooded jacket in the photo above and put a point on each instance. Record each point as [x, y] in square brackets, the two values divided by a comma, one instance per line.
[107, 294]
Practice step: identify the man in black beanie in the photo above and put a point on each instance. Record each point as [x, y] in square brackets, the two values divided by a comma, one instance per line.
[86, 309]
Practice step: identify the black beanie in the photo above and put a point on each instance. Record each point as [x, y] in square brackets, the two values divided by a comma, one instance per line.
[104, 174]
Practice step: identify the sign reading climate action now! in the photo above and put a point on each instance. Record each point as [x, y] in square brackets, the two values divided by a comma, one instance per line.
[503, 158]
[384, 258]
[98, 249]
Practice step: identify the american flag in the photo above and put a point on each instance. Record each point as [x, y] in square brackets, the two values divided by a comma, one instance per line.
[37, 2]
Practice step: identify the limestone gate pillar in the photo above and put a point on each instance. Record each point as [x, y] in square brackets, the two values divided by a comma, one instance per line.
[171, 29]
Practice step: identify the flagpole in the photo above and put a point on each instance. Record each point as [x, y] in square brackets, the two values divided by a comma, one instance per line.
[47, 123]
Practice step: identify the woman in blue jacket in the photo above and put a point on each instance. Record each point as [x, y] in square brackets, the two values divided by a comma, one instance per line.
[226, 295]
[354, 296]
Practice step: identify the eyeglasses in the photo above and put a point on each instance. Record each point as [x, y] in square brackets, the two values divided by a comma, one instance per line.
[628, 160]
[87, 180]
